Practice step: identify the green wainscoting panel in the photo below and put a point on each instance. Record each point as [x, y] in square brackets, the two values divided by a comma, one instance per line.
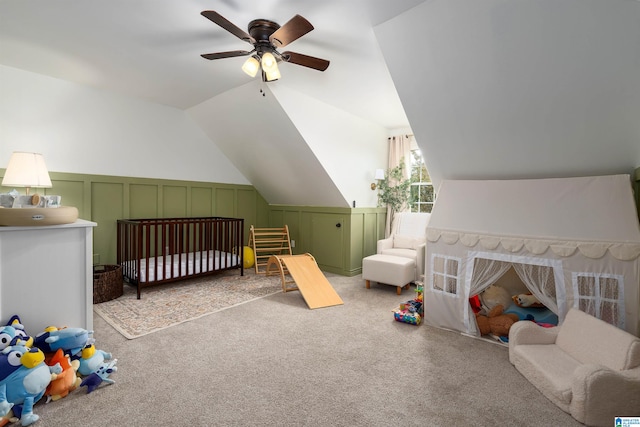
[276, 218]
[143, 201]
[327, 239]
[225, 202]
[304, 231]
[246, 206]
[107, 204]
[105, 199]
[174, 201]
[262, 213]
[201, 201]
[636, 187]
[357, 242]
[336, 249]
[72, 193]
[370, 234]
[292, 219]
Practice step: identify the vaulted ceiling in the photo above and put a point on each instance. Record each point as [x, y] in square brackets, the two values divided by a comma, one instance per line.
[151, 48]
[491, 89]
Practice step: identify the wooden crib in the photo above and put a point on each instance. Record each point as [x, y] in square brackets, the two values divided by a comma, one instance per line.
[160, 250]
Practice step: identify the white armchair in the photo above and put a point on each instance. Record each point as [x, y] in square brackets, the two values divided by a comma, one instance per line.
[407, 239]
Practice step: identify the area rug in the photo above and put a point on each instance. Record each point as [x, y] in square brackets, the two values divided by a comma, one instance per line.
[170, 304]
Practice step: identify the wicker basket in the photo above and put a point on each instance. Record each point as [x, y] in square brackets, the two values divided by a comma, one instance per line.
[107, 283]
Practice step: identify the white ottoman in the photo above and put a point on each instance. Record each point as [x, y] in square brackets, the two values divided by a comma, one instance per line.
[389, 270]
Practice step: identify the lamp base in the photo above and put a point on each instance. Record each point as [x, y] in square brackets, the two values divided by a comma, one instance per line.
[25, 217]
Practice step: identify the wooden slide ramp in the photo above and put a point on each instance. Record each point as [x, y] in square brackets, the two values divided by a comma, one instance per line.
[309, 280]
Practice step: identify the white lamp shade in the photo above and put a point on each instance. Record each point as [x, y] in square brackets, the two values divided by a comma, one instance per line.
[26, 170]
[251, 66]
[269, 62]
[379, 174]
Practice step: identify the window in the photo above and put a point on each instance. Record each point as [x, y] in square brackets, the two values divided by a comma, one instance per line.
[422, 194]
[445, 274]
[601, 296]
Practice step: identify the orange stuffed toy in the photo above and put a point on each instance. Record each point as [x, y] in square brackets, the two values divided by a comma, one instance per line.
[496, 322]
[66, 381]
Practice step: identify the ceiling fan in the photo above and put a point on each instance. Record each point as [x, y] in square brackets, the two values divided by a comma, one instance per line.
[266, 37]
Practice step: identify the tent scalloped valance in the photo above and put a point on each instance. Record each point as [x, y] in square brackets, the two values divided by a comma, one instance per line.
[594, 250]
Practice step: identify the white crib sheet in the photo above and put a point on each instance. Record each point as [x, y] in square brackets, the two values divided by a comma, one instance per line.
[180, 265]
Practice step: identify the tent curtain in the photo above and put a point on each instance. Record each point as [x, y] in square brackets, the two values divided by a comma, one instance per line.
[539, 280]
[485, 272]
[399, 151]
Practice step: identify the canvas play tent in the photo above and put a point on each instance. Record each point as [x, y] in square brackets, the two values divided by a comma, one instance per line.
[574, 242]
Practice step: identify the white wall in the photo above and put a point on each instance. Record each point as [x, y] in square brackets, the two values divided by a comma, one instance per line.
[519, 89]
[349, 148]
[82, 130]
[311, 154]
[294, 149]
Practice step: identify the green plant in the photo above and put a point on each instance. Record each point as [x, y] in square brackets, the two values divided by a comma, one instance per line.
[393, 190]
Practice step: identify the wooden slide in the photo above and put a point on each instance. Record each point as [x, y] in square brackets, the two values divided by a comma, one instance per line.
[312, 284]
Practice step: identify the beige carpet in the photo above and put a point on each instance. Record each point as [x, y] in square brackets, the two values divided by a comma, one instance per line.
[275, 362]
[174, 303]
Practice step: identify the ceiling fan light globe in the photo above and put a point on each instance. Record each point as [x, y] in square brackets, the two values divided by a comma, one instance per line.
[251, 66]
[273, 74]
[269, 62]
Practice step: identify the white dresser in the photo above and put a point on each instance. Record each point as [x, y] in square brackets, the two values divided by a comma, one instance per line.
[46, 275]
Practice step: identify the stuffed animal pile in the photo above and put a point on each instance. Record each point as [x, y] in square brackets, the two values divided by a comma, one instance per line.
[53, 364]
[490, 306]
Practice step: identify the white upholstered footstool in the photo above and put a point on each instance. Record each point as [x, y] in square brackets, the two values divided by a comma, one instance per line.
[389, 270]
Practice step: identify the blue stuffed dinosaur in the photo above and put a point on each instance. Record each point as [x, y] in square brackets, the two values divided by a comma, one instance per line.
[24, 378]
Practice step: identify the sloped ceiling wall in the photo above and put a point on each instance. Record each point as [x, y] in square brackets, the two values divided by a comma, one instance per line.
[276, 153]
[519, 89]
[84, 130]
[348, 147]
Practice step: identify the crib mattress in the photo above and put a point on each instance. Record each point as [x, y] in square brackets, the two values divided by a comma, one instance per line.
[185, 264]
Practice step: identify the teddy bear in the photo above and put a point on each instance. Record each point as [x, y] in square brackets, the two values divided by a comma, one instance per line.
[496, 322]
[494, 295]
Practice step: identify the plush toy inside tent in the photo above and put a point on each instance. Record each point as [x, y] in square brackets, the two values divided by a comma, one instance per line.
[508, 300]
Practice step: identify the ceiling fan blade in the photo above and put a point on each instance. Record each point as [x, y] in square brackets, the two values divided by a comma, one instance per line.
[229, 54]
[220, 20]
[306, 60]
[295, 28]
